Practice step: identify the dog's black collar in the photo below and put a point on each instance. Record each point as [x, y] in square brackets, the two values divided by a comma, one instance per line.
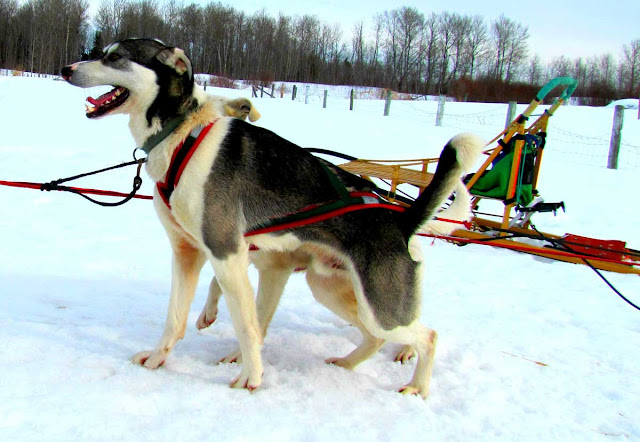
[157, 138]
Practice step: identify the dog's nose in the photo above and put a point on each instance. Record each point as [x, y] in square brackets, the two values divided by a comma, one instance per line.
[66, 72]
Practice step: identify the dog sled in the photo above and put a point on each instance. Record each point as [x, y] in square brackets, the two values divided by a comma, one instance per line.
[510, 175]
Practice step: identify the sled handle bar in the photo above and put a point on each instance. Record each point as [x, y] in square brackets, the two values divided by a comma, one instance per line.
[570, 86]
[570, 83]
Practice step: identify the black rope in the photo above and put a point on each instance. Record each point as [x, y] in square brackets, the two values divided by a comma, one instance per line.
[137, 183]
[554, 241]
[562, 243]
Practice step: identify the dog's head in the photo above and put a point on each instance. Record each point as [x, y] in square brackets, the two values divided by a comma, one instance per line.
[148, 77]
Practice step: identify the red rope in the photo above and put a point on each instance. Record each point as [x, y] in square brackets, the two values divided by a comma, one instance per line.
[38, 186]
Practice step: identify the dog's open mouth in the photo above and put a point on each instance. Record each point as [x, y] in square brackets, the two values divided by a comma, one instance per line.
[97, 107]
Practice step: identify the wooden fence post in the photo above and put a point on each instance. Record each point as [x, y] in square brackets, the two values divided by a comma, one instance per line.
[273, 91]
[387, 104]
[440, 113]
[306, 94]
[351, 101]
[616, 137]
[511, 113]
[324, 101]
[295, 92]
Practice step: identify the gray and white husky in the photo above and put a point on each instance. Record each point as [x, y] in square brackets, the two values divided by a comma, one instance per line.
[363, 264]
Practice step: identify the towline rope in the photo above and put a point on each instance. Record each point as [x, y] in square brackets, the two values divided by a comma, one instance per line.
[83, 192]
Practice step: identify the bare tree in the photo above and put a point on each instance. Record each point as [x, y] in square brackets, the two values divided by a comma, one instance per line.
[476, 44]
[630, 67]
[535, 70]
[509, 47]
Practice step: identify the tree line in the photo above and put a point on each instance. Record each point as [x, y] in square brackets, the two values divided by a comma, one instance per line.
[405, 49]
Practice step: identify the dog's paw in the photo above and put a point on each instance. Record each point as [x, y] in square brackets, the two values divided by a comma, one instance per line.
[412, 390]
[405, 354]
[341, 362]
[205, 320]
[149, 359]
[250, 381]
[232, 357]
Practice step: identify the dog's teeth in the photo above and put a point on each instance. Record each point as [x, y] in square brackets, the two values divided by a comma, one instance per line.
[118, 92]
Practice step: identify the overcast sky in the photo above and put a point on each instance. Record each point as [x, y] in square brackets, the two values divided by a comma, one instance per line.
[570, 27]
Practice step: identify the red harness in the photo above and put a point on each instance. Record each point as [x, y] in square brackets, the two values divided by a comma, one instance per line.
[179, 160]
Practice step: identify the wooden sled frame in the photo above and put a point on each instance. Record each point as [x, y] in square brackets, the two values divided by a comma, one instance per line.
[415, 172]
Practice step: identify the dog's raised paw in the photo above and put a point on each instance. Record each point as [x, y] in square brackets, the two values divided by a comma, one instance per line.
[148, 359]
[204, 321]
[405, 354]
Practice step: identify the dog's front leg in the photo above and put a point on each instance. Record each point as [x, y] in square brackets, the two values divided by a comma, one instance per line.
[187, 263]
[232, 276]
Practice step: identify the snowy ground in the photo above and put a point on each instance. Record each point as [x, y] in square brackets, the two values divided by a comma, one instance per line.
[83, 288]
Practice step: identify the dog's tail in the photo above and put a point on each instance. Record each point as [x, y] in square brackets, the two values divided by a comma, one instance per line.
[457, 157]
[458, 210]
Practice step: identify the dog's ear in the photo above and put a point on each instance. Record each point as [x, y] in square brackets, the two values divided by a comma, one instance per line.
[241, 108]
[176, 59]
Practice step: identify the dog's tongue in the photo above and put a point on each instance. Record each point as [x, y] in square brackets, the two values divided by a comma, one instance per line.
[102, 99]
[94, 101]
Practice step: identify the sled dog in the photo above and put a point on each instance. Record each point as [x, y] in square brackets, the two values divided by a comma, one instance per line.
[235, 177]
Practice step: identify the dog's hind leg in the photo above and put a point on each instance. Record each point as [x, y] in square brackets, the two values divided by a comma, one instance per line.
[335, 292]
[210, 310]
[187, 263]
[425, 346]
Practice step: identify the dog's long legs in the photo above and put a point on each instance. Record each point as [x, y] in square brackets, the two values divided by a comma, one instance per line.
[187, 263]
[234, 282]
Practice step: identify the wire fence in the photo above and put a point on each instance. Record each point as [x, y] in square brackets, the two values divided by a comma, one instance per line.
[577, 139]
[579, 136]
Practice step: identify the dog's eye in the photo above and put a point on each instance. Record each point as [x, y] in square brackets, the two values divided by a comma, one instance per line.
[113, 57]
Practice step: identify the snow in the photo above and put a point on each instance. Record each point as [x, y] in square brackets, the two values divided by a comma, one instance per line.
[627, 103]
[83, 288]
